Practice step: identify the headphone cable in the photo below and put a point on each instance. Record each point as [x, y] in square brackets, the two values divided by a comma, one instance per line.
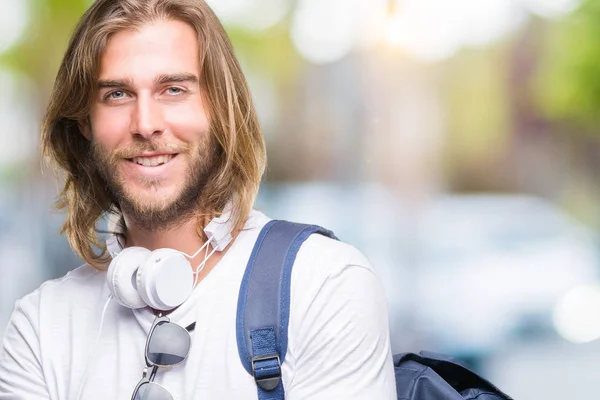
[87, 367]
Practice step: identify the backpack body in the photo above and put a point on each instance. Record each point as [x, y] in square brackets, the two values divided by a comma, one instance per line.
[432, 376]
[262, 323]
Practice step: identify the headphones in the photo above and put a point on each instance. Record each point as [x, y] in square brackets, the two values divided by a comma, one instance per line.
[162, 279]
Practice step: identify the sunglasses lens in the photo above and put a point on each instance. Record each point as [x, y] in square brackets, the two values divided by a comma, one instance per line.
[168, 345]
[152, 391]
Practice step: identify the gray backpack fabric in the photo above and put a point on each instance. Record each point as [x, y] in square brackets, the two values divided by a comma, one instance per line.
[432, 376]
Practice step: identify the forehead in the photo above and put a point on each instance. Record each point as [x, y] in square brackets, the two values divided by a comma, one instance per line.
[163, 46]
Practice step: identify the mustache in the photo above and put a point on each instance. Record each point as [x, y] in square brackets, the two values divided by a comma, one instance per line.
[149, 146]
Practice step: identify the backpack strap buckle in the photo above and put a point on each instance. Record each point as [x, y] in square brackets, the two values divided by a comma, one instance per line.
[267, 371]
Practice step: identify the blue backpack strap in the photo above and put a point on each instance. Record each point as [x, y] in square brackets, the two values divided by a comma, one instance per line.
[264, 303]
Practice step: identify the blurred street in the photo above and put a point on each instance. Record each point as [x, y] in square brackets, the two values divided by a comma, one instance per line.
[457, 144]
[546, 369]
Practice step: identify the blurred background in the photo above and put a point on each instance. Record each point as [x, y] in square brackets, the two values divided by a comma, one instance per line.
[456, 143]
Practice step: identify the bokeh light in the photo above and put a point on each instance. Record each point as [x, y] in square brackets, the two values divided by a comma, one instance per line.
[551, 8]
[577, 314]
[251, 14]
[324, 32]
[18, 127]
[14, 19]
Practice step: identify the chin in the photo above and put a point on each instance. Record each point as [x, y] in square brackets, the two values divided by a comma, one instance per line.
[151, 201]
[155, 204]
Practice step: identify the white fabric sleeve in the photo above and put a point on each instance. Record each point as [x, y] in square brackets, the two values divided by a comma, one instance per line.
[341, 342]
[21, 375]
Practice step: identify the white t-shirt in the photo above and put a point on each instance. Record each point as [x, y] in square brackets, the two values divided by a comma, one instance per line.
[338, 344]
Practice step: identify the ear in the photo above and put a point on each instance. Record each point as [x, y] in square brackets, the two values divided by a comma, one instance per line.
[85, 129]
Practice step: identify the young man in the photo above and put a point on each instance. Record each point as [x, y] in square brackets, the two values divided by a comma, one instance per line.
[151, 120]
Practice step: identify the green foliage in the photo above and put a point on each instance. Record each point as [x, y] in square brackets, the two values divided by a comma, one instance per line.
[269, 52]
[475, 91]
[568, 84]
[39, 53]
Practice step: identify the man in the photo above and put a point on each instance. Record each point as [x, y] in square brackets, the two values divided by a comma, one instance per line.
[151, 120]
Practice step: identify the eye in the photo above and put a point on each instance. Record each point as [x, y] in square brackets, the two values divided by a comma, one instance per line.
[116, 95]
[173, 90]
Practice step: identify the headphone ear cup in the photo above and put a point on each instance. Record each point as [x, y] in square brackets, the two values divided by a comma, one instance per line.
[165, 280]
[121, 276]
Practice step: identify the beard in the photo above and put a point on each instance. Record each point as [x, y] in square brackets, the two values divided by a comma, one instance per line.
[157, 214]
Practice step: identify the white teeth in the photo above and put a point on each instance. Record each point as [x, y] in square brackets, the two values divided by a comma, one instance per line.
[153, 161]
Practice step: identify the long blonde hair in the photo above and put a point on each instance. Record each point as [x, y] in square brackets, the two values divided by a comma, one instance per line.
[233, 121]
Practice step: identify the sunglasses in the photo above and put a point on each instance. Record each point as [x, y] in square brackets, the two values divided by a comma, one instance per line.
[168, 345]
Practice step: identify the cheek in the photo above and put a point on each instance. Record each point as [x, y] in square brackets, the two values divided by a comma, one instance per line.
[191, 125]
[109, 127]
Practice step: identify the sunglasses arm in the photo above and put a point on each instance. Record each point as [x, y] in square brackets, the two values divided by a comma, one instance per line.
[153, 373]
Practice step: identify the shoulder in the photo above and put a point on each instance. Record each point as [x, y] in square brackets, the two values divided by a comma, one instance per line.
[338, 324]
[53, 306]
[71, 290]
[327, 257]
[83, 280]
[328, 271]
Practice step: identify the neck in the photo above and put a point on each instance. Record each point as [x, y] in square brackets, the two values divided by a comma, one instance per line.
[183, 237]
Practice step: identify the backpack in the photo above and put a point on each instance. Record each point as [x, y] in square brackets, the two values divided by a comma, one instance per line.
[262, 320]
[433, 376]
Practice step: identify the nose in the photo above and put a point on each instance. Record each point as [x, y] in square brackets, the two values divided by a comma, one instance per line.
[147, 119]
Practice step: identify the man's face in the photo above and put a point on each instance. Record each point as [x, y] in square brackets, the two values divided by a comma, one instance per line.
[148, 126]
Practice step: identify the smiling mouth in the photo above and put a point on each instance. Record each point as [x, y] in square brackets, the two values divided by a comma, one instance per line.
[153, 161]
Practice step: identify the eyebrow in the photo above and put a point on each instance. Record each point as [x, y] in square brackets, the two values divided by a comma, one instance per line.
[160, 79]
[114, 83]
[183, 77]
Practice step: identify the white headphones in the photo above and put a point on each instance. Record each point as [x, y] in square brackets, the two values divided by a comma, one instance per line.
[162, 279]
